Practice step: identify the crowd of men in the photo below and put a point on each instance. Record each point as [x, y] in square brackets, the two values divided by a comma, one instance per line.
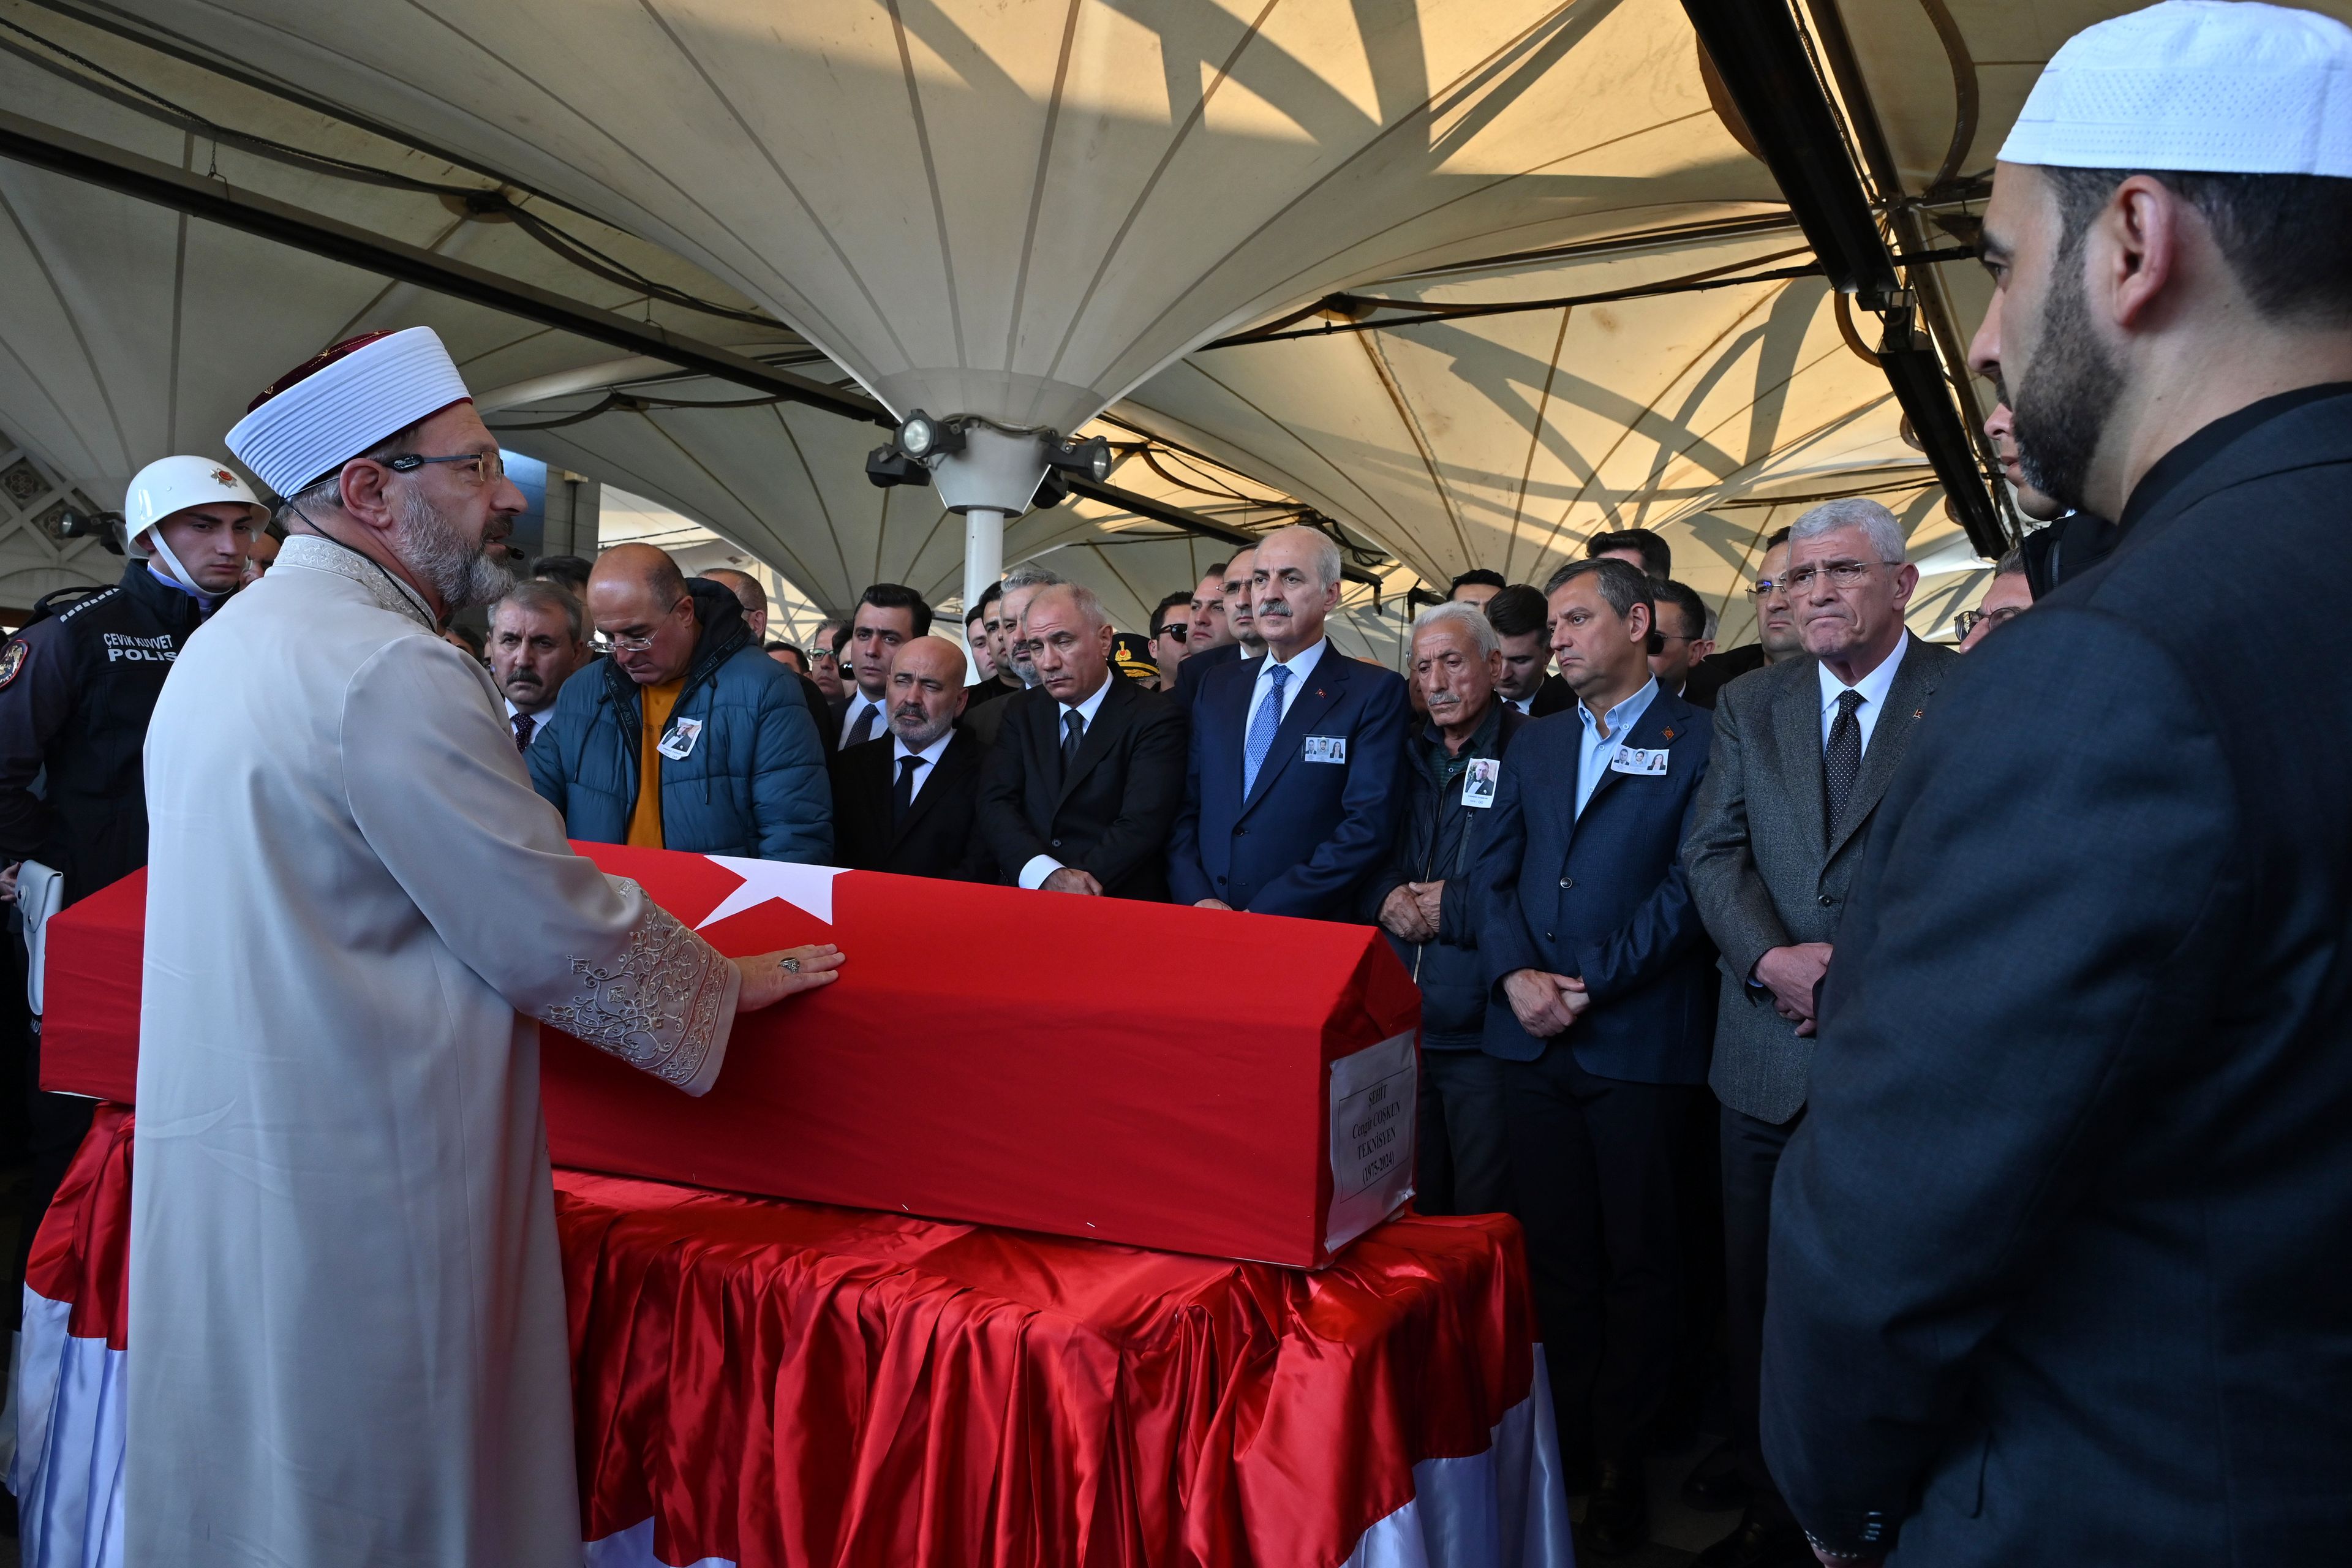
[1566, 948]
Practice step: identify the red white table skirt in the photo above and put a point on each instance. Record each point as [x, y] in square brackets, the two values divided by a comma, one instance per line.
[761, 1383]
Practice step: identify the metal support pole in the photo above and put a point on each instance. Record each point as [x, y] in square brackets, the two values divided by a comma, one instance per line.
[983, 552]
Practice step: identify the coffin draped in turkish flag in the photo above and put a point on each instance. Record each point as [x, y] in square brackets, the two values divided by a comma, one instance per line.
[1235, 1085]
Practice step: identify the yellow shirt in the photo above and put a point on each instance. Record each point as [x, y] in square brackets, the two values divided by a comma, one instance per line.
[645, 822]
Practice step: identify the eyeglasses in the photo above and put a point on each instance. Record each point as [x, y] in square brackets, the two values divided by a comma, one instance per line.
[1843, 574]
[489, 466]
[1967, 620]
[638, 643]
[1765, 588]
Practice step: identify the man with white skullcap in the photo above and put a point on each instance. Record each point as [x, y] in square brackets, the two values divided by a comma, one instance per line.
[2057, 1271]
[343, 1273]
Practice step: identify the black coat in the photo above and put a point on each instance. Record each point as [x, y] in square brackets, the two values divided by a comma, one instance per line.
[1194, 669]
[1717, 671]
[2057, 1257]
[77, 689]
[939, 837]
[1437, 840]
[1110, 817]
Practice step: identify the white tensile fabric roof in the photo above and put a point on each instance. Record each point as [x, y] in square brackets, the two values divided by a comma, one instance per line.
[1026, 209]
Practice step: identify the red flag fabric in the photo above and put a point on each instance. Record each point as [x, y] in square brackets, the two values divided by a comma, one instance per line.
[1233, 1085]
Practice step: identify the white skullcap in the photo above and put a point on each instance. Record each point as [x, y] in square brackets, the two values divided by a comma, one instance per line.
[312, 424]
[2214, 87]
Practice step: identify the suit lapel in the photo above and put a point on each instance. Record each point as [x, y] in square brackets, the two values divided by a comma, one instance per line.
[943, 773]
[1907, 697]
[1100, 736]
[1326, 684]
[1798, 728]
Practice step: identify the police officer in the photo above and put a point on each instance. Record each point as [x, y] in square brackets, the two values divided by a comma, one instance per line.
[77, 686]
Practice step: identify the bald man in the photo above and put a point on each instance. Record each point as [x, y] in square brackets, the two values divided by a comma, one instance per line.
[904, 801]
[692, 738]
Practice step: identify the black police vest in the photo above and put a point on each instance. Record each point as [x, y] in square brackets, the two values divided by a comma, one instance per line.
[115, 647]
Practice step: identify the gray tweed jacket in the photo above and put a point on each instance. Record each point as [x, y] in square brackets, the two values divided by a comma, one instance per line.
[1760, 870]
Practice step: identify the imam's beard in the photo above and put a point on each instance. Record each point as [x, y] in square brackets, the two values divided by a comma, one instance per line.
[2063, 401]
[457, 568]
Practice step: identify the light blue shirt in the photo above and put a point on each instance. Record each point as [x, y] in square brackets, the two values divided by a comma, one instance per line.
[1302, 664]
[1597, 752]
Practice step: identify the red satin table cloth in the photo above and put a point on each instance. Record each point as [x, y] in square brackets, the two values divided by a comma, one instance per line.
[779, 1382]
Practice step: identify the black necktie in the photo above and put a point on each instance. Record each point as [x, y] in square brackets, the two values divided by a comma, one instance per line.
[902, 794]
[864, 729]
[1074, 729]
[1841, 762]
[524, 725]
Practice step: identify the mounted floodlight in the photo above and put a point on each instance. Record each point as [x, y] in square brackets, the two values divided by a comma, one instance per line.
[104, 526]
[887, 466]
[920, 435]
[1090, 457]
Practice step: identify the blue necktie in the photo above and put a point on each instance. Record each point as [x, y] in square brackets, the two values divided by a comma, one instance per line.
[1260, 740]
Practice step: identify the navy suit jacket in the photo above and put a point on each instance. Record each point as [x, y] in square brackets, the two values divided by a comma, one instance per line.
[1309, 831]
[1195, 667]
[1603, 897]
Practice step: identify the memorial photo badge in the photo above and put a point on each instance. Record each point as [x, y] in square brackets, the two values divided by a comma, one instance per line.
[1327, 748]
[1478, 783]
[679, 742]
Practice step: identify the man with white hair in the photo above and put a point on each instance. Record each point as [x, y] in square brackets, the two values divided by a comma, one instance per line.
[1089, 768]
[2054, 1276]
[345, 1285]
[1423, 896]
[1290, 794]
[1804, 749]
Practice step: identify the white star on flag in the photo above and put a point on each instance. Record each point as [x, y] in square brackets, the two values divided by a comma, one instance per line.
[806, 888]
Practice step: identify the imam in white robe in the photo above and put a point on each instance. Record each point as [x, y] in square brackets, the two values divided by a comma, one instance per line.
[347, 1320]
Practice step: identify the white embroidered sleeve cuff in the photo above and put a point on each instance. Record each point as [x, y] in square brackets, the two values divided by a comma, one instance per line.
[666, 1006]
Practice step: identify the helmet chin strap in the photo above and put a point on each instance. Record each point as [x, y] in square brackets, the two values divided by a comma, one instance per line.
[172, 567]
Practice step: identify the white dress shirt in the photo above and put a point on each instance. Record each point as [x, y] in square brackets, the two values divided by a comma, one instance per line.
[1600, 750]
[929, 754]
[1872, 687]
[858, 703]
[1040, 867]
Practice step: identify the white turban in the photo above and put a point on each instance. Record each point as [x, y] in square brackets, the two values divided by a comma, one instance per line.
[2223, 87]
[305, 429]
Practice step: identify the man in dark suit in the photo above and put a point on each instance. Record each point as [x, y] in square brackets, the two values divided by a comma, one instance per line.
[1776, 628]
[2056, 1272]
[1242, 640]
[1087, 773]
[1602, 997]
[1803, 751]
[1292, 782]
[906, 801]
[888, 616]
[1522, 620]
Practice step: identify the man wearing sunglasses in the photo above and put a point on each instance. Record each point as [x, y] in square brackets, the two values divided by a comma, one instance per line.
[1171, 636]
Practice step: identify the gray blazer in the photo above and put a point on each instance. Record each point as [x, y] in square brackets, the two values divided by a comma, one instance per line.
[1759, 870]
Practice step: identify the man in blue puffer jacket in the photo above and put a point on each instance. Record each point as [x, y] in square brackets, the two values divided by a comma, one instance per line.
[689, 702]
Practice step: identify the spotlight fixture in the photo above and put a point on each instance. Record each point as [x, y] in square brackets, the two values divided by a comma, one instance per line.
[1090, 457]
[920, 435]
[887, 466]
[101, 526]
